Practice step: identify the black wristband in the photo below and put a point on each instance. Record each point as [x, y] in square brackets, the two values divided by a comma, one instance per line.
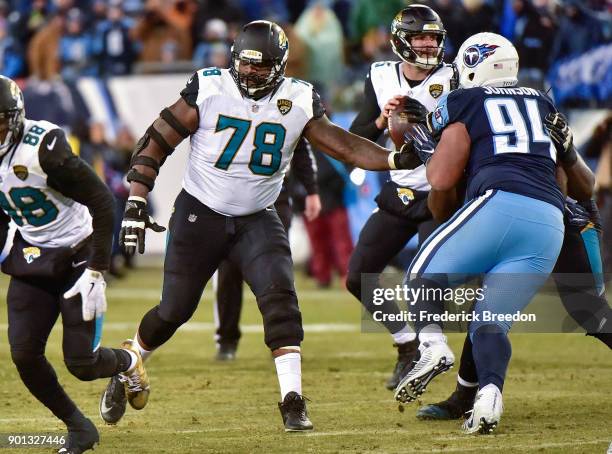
[569, 157]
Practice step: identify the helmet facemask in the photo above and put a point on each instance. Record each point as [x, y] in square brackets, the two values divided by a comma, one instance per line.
[265, 77]
[11, 121]
[403, 48]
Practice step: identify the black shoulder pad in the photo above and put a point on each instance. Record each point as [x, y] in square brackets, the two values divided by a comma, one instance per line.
[54, 149]
[190, 92]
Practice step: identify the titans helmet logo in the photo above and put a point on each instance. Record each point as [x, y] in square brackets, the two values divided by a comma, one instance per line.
[474, 55]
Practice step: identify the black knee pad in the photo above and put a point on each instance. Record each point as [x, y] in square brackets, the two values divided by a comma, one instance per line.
[282, 318]
[27, 360]
[84, 370]
[154, 330]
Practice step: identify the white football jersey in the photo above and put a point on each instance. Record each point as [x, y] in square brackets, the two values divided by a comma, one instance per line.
[242, 148]
[388, 80]
[43, 216]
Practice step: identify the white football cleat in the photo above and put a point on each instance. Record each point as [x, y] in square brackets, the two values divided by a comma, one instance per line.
[487, 411]
[435, 359]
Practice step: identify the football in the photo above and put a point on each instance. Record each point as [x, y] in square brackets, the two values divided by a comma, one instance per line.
[399, 124]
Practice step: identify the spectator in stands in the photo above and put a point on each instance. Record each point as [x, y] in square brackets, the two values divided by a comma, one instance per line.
[26, 23]
[227, 10]
[578, 31]
[12, 63]
[372, 14]
[319, 29]
[330, 236]
[454, 18]
[214, 43]
[75, 48]
[275, 10]
[114, 48]
[160, 40]
[43, 49]
[534, 34]
[297, 62]
[479, 17]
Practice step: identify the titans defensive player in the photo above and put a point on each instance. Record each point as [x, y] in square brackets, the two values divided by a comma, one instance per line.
[64, 218]
[243, 123]
[511, 228]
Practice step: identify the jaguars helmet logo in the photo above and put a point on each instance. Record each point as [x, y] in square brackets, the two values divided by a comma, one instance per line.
[284, 106]
[435, 90]
[31, 253]
[21, 172]
[405, 195]
[283, 42]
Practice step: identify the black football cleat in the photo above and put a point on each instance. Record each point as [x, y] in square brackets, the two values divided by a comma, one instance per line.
[226, 352]
[406, 354]
[456, 406]
[80, 439]
[113, 401]
[294, 413]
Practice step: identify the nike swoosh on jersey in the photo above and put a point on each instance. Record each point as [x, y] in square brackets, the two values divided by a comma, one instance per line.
[52, 144]
[77, 264]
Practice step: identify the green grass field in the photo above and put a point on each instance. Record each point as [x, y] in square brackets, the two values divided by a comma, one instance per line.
[558, 395]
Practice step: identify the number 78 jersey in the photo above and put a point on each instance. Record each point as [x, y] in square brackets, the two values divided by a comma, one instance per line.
[242, 147]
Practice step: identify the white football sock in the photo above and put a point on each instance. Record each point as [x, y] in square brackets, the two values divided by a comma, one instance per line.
[404, 335]
[133, 360]
[289, 371]
[144, 353]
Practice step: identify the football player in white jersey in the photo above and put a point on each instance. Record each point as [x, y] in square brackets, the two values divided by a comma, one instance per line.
[243, 123]
[64, 218]
[418, 40]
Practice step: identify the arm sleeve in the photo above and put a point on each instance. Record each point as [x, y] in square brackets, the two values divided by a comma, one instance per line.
[4, 228]
[364, 123]
[74, 178]
[304, 167]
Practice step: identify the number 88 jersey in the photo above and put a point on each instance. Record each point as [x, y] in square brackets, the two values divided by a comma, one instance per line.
[242, 147]
[44, 216]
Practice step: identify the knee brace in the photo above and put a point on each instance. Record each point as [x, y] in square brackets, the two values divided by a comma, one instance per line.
[281, 317]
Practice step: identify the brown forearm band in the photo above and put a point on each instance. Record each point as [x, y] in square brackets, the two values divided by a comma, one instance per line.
[174, 123]
[145, 161]
[159, 140]
[135, 175]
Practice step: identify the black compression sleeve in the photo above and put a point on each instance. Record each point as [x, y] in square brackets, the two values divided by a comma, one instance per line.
[364, 123]
[304, 167]
[74, 178]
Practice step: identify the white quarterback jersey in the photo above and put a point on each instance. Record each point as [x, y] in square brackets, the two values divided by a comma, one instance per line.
[43, 216]
[242, 148]
[388, 80]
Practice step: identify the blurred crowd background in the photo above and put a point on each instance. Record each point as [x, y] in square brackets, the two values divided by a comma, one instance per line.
[51, 46]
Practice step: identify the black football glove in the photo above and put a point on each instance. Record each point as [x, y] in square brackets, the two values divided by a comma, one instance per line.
[136, 220]
[561, 136]
[415, 111]
[418, 147]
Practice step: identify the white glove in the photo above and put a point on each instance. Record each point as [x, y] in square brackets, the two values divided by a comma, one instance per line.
[92, 288]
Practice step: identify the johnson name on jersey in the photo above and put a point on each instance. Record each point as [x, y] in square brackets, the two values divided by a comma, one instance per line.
[42, 214]
[388, 80]
[242, 148]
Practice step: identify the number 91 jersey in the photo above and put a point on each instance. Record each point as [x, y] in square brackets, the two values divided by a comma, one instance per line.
[242, 147]
[43, 215]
